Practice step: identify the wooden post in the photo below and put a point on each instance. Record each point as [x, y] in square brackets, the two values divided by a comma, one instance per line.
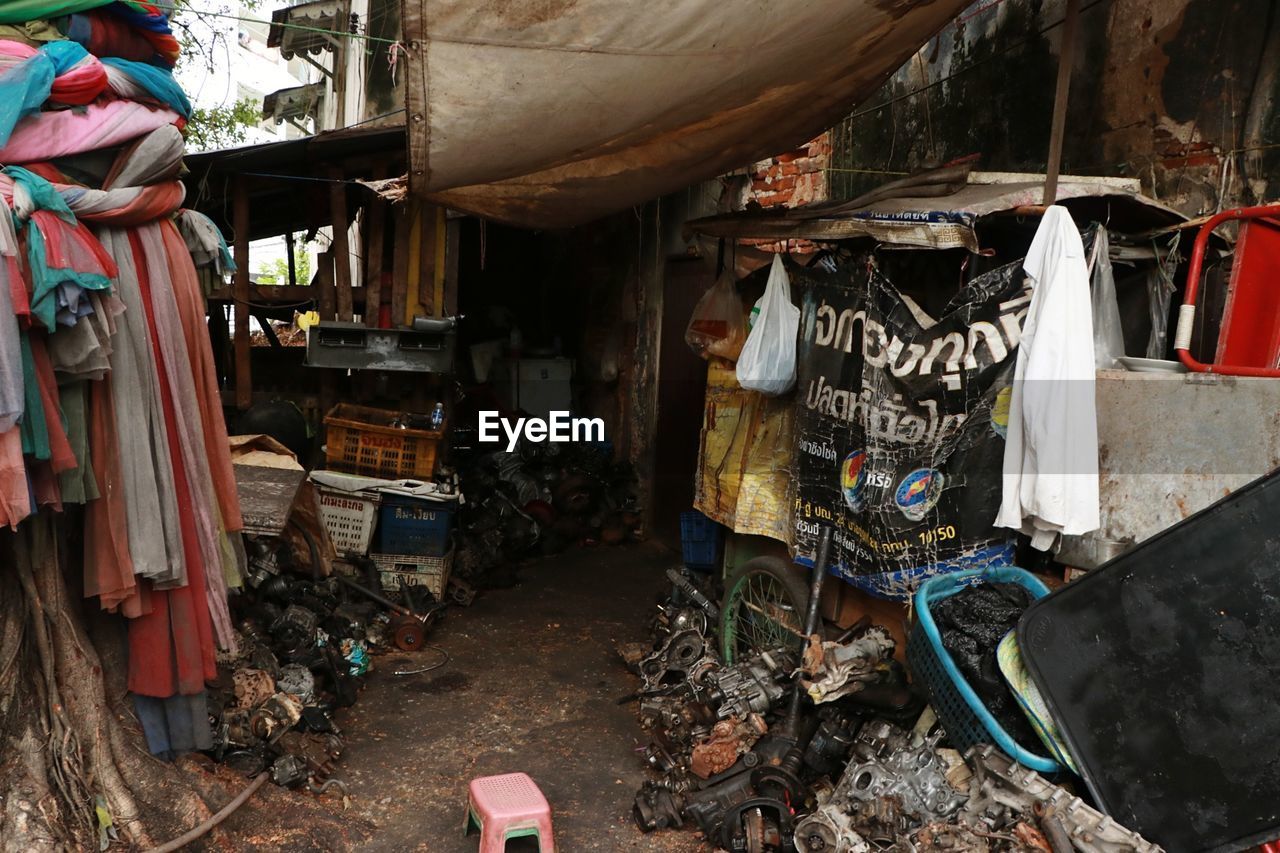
[425, 300]
[324, 279]
[244, 375]
[373, 256]
[453, 240]
[400, 268]
[1066, 57]
[293, 262]
[340, 250]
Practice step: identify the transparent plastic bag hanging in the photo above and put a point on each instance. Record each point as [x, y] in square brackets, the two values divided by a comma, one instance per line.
[1108, 333]
[718, 326]
[1160, 290]
[768, 360]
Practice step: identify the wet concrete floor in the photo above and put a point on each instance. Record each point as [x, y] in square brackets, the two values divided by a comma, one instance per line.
[532, 685]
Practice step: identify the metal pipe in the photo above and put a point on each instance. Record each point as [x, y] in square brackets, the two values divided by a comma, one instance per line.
[1055, 832]
[1066, 57]
[791, 726]
[1187, 313]
[380, 599]
[815, 582]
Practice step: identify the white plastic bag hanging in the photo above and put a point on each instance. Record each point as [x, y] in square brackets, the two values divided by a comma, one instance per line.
[768, 360]
[1108, 332]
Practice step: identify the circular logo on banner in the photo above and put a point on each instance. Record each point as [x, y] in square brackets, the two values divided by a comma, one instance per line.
[919, 492]
[853, 478]
[1000, 411]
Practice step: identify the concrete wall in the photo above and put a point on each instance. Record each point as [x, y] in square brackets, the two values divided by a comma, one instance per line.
[1178, 93]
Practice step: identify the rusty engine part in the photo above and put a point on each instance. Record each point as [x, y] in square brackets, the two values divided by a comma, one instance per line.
[828, 750]
[829, 831]
[752, 687]
[252, 686]
[290, 771]
[681, 581]
[275, 717]
[407, 632]
[1003, 792]
[949, 837]
[888, 762]
[296, 680]
[681, 652]
[832, 670]
[295, 630]
[892, 784]
[718, 751]
[460, 592]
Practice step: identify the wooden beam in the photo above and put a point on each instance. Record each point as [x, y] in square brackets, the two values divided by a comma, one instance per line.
[244, 375]
[268, 294]
[1066, 58]
[340, 249]
[373, 255]
[268, 330]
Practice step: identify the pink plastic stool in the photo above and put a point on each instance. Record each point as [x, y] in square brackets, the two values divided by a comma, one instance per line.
[506, 807]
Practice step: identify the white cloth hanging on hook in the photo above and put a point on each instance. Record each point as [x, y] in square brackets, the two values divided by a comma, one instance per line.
[1051, 451]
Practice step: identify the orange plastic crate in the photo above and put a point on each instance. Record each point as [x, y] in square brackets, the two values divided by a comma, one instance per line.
[361, 440]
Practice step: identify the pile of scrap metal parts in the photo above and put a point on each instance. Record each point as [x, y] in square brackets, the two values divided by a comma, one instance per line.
[303, 651]
[902, 794]
[829, 751]
[736, 749]
[540, 499]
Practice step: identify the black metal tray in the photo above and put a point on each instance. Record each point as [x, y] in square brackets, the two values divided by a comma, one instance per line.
[1162, 668]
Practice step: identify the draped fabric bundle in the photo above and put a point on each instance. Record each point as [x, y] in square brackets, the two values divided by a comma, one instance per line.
[108, 392]
[64, 73]
[104, 35]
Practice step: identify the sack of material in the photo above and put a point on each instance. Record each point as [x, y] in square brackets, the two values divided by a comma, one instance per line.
[768, 360]
[718, 327]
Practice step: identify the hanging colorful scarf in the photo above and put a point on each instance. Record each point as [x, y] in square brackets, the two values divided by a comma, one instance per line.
[11, 395]
[64, 257]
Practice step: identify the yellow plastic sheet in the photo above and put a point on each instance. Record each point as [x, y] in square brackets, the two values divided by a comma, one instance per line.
[744, 456]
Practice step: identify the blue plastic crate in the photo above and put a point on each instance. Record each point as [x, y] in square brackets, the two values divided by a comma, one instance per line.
[961, 711]
[701, 540]
[408, 525]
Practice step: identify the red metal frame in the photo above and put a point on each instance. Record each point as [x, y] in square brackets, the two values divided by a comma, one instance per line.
[1186, 316]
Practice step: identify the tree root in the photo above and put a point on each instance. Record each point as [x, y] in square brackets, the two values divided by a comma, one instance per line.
[67, 735]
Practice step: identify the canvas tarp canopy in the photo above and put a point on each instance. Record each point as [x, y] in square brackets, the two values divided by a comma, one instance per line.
[547, 113]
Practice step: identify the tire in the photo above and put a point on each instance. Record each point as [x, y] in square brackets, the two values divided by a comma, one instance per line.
[769, 584]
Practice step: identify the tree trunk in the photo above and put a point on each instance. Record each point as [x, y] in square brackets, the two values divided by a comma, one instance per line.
[70, 748]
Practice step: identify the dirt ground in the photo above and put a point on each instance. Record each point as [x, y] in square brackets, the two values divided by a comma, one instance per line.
[532, 685]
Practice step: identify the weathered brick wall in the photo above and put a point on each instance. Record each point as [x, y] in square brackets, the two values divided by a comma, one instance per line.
[792, 178]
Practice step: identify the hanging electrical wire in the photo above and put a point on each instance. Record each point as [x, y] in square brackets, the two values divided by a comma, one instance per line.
[175, 9]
